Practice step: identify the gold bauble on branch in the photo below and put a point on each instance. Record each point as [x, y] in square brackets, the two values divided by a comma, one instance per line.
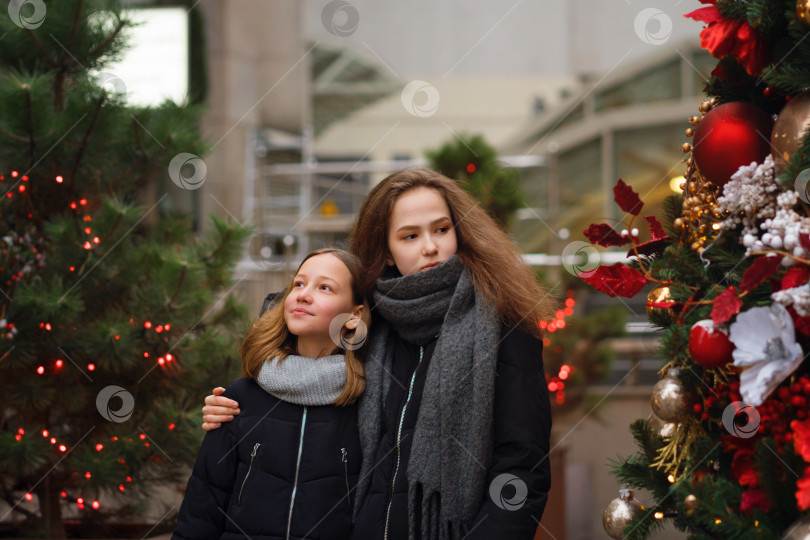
[660, 303]
[671, 400]
[691, 502]
[663, 429]
[790, 126]
[620, 512]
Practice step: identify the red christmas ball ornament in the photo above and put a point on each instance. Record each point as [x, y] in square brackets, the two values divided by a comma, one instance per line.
[730, 136]
[709, 345]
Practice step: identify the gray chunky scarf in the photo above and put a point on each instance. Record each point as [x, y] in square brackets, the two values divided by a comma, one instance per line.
[452, 442]
[304, 381]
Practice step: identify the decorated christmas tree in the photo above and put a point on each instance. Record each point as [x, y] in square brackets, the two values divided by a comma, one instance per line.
[726, 450]
[112, 309]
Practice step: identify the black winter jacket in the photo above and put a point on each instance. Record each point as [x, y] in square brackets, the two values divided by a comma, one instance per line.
[521, 431]
[278, 471]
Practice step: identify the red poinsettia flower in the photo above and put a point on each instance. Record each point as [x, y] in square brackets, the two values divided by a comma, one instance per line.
[801, 438]
[754, 499]
[743, 468]
[803, 493]
[724, 37]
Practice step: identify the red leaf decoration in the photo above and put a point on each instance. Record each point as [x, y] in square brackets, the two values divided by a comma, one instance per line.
[804, 240]
[795, 277]
[603, 235]
[656, 230]
[615, 280]
[726, 305]
[762, 269]
[626, 198]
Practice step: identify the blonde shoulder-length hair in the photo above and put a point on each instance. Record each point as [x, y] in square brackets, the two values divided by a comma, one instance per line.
[269, 336]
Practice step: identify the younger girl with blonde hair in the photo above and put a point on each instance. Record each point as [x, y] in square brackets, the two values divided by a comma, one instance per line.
[287, 467]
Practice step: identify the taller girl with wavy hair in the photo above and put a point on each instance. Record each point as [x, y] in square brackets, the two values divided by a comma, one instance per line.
[455, 418]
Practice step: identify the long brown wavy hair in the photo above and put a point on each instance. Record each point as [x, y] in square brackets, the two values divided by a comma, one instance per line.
[269, 336]
[496, 267]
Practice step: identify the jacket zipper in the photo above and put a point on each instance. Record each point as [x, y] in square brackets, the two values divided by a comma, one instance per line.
[297, 467]
[344, 457]
[399, 437]
[252, 455]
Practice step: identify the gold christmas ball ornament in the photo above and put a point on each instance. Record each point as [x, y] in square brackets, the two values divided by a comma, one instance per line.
[671, 400]
[798, 530]
[664, 430]
[660, 303]
[689, 132]
[790, 126]
[620, 512]
[691, 502]
[803, 11]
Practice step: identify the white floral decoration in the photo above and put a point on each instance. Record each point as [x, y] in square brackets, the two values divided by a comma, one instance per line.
[765, 210]
[766, 349]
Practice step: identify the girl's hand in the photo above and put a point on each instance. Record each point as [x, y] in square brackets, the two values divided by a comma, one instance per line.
[218, 409]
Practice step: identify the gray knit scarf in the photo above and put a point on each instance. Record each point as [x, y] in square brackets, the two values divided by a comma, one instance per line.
[304, 381]
[452, 441]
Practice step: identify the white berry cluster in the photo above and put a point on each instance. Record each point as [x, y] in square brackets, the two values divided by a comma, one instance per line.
[798, 297]
[757, 202]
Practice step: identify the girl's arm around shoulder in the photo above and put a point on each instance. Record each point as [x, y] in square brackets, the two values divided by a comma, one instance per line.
[521, 432]
[202, 514]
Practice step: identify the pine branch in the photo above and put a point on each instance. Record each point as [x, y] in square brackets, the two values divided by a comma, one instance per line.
[30, 116]
[74, 24]
[83, 146]
[110, 39]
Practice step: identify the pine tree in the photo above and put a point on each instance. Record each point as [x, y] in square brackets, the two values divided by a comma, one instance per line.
[726, 452]
[113, 322]
[474, 163]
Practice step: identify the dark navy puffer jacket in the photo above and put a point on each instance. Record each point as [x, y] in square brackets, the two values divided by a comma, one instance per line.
[278, 471]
